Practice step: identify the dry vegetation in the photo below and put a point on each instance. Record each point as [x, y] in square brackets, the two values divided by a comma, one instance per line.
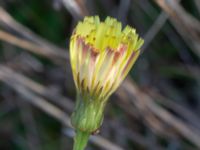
[156, 108]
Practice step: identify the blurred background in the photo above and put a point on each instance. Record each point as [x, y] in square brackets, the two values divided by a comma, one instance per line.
[156, 108]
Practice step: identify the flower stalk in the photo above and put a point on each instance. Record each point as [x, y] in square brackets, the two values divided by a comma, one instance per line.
[80, 140]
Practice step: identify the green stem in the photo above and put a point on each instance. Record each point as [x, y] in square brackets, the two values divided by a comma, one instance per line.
[80, 140]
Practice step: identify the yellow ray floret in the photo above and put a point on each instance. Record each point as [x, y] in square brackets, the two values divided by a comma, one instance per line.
[102, 54]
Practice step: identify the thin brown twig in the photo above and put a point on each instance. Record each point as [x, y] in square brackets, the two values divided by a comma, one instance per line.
[147, 103]
[39, 89]
[168, 31]
[50, 109]
[75, 9]
[43, 91]
[7, 21]
[154, 29]
[185, 24]
[27, 45]
[179, 109]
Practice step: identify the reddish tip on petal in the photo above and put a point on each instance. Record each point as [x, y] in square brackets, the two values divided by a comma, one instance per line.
[120, 52]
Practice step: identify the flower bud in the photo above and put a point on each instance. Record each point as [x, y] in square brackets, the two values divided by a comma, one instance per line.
[101, 55]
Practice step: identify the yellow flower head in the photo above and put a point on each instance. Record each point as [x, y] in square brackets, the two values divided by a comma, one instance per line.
[101, 55]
